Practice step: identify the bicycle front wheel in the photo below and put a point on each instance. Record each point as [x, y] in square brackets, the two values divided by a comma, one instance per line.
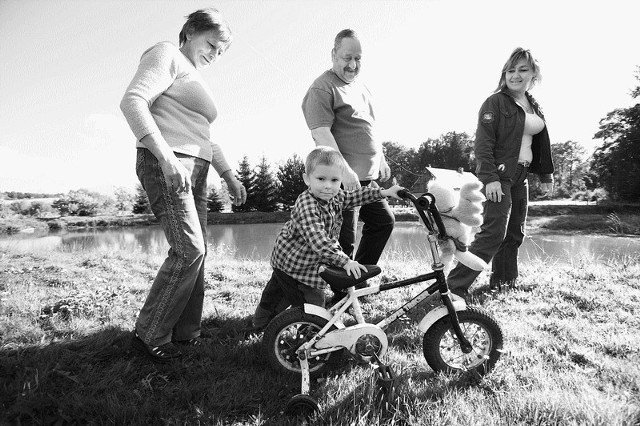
[442, 349]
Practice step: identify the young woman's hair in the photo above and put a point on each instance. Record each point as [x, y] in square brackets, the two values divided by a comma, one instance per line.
[206, 20]
[518, 54]
[323, 155]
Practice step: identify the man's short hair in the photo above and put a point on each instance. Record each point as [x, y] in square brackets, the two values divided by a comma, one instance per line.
[347, 33]
[323, 155]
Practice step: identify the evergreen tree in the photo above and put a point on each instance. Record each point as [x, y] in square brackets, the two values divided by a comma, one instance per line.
[291, 183]
[247, 179]
[141, 204]
[225, 198]
[214, 201]
[264, 199]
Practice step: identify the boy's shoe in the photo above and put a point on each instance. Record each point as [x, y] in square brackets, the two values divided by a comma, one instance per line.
[462, 292]
[163, 353]
[261, 318]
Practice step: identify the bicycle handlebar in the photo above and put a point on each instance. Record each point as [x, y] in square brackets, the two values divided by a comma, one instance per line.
[426, 203]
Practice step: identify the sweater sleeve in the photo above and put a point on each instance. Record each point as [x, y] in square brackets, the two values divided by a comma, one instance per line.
[156, 72]
[218, 161]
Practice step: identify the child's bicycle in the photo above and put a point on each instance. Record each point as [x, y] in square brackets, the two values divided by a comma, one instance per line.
[457, 337]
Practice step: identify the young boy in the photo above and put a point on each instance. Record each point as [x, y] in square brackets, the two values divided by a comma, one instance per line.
[310, 237]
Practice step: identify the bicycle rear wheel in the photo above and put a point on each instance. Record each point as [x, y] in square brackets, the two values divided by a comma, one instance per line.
[286, 333]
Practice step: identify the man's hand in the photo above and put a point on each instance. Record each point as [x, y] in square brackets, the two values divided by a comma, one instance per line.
[353, 268]
[350, 180]
[494, 192]
[385, 170]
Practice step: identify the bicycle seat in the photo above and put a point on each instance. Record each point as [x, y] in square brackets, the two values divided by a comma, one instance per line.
[339, 279]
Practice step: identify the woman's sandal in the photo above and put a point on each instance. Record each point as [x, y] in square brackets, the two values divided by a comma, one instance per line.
[195, 342]
[162, 353]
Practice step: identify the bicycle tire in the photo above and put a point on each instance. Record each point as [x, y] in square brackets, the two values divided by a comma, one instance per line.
[285, 333]
[442, 351]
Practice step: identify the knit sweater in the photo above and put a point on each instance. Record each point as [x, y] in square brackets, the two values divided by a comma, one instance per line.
[168, 95]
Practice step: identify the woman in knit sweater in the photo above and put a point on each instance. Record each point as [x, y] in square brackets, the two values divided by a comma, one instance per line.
[170, 109]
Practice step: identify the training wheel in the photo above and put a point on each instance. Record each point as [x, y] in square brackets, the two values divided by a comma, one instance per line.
[301, 405]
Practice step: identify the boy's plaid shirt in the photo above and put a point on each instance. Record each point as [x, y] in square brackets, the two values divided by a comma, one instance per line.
[310, 237]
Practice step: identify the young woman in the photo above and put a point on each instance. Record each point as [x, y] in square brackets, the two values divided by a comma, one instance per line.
[511, 141]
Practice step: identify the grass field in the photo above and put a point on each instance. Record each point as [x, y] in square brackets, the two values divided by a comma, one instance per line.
[572, 350]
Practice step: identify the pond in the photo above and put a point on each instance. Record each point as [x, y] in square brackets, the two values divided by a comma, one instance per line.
[256, 242]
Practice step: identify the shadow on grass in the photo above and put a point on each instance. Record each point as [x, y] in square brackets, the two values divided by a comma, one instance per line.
[99, 379]
[379, 403]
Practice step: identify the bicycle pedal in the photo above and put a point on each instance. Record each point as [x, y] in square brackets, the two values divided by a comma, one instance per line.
[385, 373]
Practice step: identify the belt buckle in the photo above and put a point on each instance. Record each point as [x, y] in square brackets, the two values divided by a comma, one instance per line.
[524, 163]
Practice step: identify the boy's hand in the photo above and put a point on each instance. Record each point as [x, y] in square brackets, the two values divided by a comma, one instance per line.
[353, 268]
[392, 192]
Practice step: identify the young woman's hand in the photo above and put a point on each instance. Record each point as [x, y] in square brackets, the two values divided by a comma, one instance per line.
[353, 268]
[494, 192]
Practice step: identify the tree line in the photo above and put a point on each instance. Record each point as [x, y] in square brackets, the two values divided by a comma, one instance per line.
[611, 172]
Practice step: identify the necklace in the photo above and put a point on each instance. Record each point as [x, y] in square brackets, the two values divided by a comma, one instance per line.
[527, 109]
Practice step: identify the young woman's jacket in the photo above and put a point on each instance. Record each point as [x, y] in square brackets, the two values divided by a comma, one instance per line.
[498, 138]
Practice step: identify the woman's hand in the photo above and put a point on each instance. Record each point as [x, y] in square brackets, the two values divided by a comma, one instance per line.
[353, 268]
[494, 191]
[236, 190]
[176, 175]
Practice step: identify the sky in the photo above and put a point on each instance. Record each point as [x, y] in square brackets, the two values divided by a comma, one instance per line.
[65, 64]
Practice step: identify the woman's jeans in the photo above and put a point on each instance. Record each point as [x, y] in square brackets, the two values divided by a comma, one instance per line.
[173, 308]
[500, 236]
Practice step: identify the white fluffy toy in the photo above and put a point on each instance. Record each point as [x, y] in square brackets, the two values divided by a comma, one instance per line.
[461, 211]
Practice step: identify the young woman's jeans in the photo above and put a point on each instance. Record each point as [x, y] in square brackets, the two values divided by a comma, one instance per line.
[500, 236]
[173, 308]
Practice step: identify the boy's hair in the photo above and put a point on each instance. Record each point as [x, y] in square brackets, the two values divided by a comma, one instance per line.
[323, 155]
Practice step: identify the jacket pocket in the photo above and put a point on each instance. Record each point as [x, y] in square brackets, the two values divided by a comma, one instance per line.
[508, 118]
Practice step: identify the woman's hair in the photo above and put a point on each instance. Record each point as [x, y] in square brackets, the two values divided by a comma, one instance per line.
[518, 54]
[206, 20]
[323, 155]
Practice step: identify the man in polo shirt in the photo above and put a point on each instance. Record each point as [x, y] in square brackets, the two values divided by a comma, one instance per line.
[338, 111]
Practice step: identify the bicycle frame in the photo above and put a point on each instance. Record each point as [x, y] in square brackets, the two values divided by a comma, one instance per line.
[433, 222]
[334, 340]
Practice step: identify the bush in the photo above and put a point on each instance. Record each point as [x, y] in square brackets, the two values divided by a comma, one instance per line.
[78, 203]
[598, 194]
